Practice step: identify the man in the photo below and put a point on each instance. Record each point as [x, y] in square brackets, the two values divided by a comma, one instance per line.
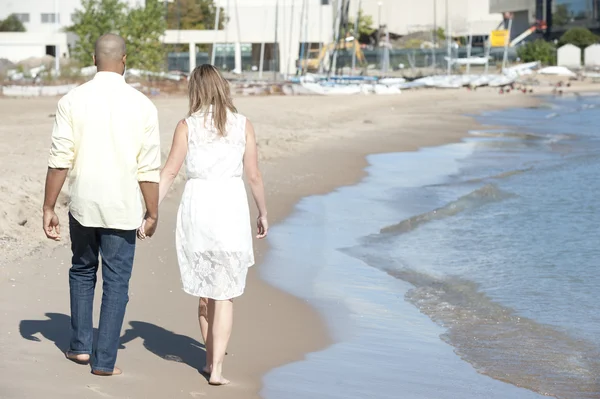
[106, 133]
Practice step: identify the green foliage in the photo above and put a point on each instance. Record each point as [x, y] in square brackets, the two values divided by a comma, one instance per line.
[97, 17]
[12, 24]
[143, 29]
[365, 26]
[440, 34]
[580, 37]
[194, 14]
[413, 43]
[561, 16]
[538, 50]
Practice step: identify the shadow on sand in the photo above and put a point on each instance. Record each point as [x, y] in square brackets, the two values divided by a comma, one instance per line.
[167, 344]
[161, 342]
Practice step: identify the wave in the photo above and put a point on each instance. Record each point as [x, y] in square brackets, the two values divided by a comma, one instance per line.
[493, 338]
[526, 136]
[475, 199]
[503, 345]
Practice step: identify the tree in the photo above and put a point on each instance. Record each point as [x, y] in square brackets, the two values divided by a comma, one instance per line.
[580, 37]
[440, 34]
[365, 27]
[96, 18]
[12, 24]
[538, 50]
[142, 31]
[194, 14]
[141, 27]
[561, 16]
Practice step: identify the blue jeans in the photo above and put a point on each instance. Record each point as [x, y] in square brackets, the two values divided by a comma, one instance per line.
[117, 249]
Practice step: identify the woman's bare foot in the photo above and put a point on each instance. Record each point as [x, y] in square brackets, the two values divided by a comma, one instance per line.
[116, 371]
[79, 358]
[218, 381]
[216, 376]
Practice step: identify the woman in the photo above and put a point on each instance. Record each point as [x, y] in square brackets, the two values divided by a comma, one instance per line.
[214, 238]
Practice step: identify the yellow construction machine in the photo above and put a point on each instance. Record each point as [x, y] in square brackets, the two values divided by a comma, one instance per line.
[315, 57]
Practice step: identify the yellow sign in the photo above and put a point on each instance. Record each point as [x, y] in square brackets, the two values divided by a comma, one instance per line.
[499, 38]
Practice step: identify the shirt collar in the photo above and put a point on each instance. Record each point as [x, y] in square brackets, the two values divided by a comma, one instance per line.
[109, 77]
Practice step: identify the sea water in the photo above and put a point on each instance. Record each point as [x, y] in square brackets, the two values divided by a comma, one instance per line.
[469, 270]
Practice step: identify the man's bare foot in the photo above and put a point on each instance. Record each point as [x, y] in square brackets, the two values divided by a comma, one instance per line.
[116, 371]
[218, 381]
[79, 358]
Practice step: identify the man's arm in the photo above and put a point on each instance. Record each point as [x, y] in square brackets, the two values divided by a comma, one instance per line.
[150, 194]
[149, 171]
[61, 158]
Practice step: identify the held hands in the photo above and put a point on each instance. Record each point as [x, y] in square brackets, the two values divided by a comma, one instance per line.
[263, 227]
[51, 225]
[148, 227]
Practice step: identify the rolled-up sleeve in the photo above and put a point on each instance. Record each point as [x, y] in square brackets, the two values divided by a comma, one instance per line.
[149, 156]
[62, 151]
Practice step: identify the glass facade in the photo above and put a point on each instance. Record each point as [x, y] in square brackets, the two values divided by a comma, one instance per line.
[570, 13]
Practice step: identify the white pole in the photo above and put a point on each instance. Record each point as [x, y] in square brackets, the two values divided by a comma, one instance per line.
[214, 46]
[192, 47]
[469, 46]
[506, 42]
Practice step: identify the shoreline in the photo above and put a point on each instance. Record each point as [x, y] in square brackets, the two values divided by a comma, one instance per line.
[272, 327]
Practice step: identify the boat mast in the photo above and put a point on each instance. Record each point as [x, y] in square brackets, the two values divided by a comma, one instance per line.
[276, 44]
[287, 69]
[300, 32]
[356, 36]
[448, 41]
[214, 46]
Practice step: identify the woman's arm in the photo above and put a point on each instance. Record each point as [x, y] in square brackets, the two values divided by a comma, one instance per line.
[255, 179]
[168, 173]
[175, 160]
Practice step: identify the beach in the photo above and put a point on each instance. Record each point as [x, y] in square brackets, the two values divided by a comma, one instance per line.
[308, 146]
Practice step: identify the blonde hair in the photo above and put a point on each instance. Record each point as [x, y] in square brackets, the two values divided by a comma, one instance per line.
[208, 88]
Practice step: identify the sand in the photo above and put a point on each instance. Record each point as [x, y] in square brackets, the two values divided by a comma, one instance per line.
[308, 145]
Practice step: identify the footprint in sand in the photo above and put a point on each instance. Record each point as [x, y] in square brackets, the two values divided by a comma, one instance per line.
[96, 389]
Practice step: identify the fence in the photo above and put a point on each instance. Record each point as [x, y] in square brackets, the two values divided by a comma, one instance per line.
[399, 59]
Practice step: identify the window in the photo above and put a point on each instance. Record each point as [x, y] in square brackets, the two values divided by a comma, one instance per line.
[50, 18]
[22, 17]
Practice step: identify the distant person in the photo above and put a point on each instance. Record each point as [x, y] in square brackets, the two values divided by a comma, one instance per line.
[106, 133]
[214, 234]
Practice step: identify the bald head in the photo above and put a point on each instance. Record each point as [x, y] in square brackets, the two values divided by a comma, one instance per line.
[109, 53]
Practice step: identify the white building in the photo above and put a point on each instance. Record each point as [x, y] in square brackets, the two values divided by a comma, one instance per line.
[44, 21]
[407, 16]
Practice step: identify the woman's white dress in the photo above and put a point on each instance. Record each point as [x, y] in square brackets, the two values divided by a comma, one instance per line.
[214, 235]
